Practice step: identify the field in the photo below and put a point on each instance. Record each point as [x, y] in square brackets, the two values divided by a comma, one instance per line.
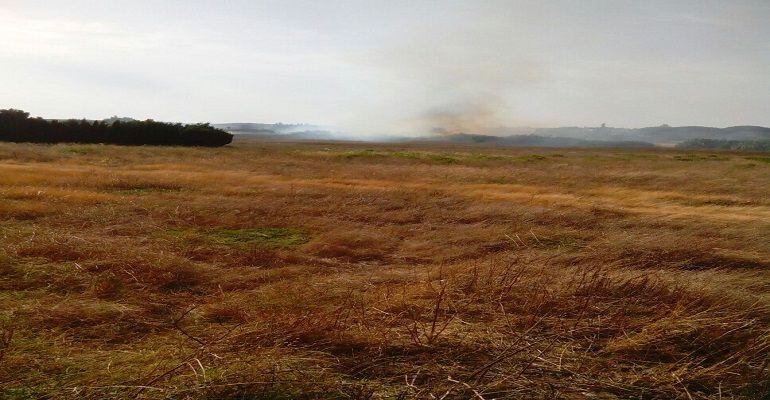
[266, 270]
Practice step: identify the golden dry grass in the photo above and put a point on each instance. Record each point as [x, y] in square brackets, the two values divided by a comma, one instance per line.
[325, 270]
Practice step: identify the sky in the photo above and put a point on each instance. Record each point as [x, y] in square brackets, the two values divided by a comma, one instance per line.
[391, 66]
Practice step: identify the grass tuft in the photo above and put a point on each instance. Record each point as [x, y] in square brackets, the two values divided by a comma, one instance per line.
[270, 237]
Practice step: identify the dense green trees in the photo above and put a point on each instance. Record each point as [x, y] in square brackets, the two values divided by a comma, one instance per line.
[17, 126]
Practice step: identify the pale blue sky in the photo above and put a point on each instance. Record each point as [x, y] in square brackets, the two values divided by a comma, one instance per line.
[391, 66]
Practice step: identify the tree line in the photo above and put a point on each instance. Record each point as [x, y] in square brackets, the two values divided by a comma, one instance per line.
[17, 126]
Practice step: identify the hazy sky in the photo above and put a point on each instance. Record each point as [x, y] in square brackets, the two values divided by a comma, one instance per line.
[391, 66]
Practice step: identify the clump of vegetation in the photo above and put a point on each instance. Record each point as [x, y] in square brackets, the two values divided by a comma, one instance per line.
[140, 188]
[486, 157]
[762, 159]
[701, 157]
[271, 237]
[370, 153]
[17, 126]
[525, 158]
[268, 236]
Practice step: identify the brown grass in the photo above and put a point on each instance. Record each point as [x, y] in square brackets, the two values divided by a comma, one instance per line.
[326, 270]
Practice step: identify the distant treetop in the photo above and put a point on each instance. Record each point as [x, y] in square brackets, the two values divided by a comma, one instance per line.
[115, 118]
[17, 126]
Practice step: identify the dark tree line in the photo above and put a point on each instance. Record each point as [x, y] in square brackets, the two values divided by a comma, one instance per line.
[17, 126]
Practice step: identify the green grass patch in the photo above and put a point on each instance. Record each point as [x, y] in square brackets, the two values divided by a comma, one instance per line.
[636, 156]
[522, 158]
[270, 237]
[698, 157]
[623, 157]
[486, 157]
[762, 159]
[20, 393]
[559, 241]
[443, 158]
[745, 166]
[368, 153]
[141, 188]
[274, 392]
[565, 241]
[412, 155]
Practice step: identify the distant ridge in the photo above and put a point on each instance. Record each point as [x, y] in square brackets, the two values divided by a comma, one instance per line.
[603, 136]
[537, 141]
[663, 134]
[277, 128]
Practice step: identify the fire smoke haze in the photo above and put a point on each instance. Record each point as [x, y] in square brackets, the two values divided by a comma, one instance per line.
[391, 67]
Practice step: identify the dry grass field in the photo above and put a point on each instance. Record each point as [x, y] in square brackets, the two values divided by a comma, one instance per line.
[267, 270]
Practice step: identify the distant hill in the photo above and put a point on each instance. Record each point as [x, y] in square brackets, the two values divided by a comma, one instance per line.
[663, 134]
[712, 144]
[302, 135]
[281, 131]
[278, 128]
[537, 141]
[683, 133]
[610, 137]
[602, 136]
